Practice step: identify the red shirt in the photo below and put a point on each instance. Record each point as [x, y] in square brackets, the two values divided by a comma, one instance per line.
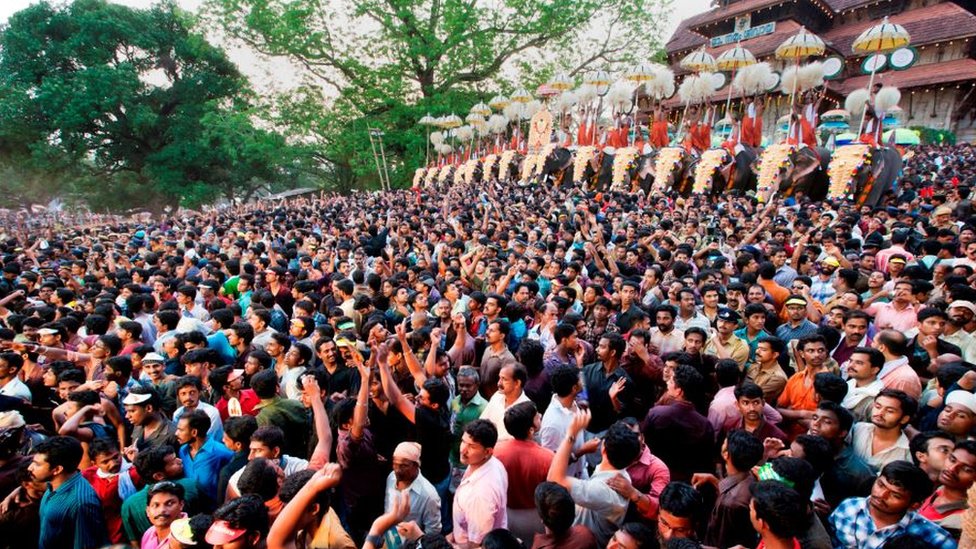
[108, 492]
[649, 475]
[248, 399]
[527, 465]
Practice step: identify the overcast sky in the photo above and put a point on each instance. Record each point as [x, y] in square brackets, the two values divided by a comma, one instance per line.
[264, 73]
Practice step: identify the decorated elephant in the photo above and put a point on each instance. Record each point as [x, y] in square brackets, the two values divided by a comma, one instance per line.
[586, 166]
[740, 174]
[510, 164]
[793, 171]
[671, 170]
[556, 166]
[863, 172]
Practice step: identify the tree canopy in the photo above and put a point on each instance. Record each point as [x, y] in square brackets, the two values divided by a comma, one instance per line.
[386, 63]
[129, 107]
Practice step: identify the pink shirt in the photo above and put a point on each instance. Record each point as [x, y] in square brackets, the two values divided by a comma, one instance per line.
[884, 255]
[904, 379]
[887, 317]
[151, 541]
[480, 502]
[724, 415]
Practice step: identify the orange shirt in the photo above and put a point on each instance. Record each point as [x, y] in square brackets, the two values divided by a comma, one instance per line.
[751, 131]
[659, 134]
[796, 396]
[777, 292]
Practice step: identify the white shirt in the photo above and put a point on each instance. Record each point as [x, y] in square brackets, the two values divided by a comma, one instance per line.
[698, 320]
[17, 389]
[495, 413]
[480, 502]
[862, 440]
[216, 431]
[555, 425]
[289, 383]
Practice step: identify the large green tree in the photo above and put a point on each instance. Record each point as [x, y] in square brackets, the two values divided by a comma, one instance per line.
[129, 107]
[385, 63]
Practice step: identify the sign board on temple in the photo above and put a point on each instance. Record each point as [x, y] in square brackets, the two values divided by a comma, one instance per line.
[745, 34]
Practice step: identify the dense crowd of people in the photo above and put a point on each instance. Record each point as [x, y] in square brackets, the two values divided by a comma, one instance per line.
[497, 367]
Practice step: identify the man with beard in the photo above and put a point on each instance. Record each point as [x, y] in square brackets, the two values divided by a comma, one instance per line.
[665, 338]
[961, 313]
[70, 512]
[822, 288]
[891, 510]
[165, 506]
[883, 439]
[797, 326]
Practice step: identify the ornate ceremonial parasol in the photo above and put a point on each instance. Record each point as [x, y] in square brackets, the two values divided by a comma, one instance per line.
[699, 61]
[883, 37]
[733, 60]
[499, 102]
[481, 109]
[561, 82]
[521, 95]
[801, 44]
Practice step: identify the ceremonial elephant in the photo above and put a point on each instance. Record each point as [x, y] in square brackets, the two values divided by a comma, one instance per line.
[863, 172]
[793, 171]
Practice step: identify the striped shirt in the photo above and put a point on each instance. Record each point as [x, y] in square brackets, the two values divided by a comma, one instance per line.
[71, 516]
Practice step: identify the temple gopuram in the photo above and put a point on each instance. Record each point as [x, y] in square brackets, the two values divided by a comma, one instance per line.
[936, 74]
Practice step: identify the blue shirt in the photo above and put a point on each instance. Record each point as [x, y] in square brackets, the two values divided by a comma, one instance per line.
[788, 333]
[743, 334]
[205, 467]
[854, 528]
[218, 342]
[71, 516]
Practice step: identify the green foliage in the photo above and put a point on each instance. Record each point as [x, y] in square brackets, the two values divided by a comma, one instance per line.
[933, 136]
[386, 63]
[126, 108]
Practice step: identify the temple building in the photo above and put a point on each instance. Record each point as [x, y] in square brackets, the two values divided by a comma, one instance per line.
[936, 73]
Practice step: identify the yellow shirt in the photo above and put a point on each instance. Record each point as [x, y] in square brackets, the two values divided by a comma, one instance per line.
[330, 534]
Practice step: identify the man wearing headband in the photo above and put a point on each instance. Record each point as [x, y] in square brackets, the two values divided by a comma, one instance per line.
[798, 324]
[152, 428]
